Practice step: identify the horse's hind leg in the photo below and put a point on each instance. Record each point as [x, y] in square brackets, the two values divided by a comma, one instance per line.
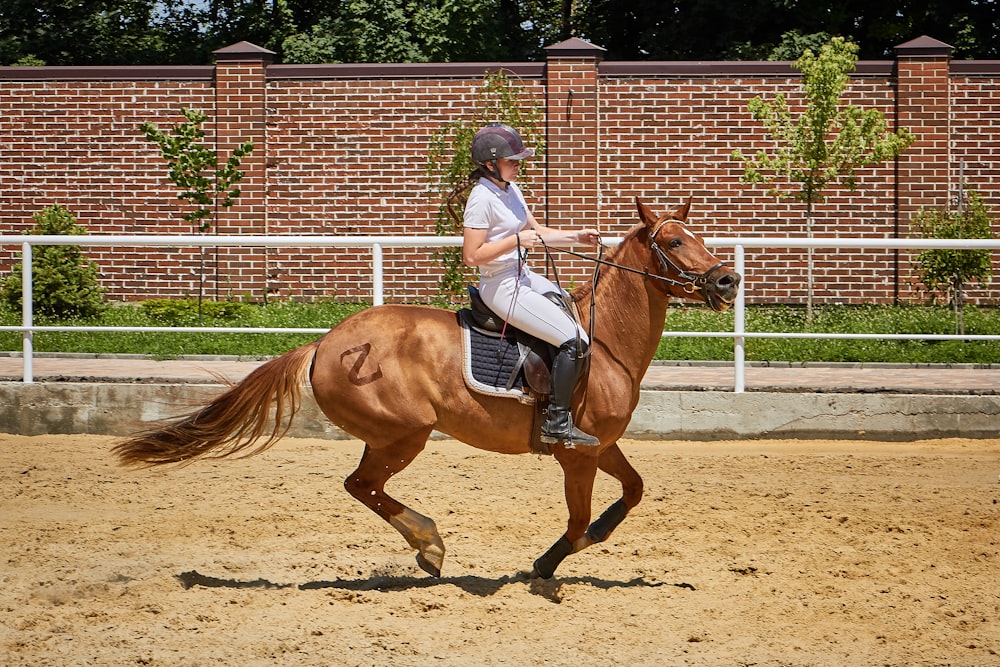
[367, 484]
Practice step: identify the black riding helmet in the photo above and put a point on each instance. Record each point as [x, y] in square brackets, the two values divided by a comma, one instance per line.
[496, 141]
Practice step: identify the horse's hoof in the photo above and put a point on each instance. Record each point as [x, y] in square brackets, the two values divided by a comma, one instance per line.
[430, 562]
[427, 566]
[544, 573]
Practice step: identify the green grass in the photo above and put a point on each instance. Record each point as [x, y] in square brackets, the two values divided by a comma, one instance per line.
[831, 319]
[184, 313]
[837, 319]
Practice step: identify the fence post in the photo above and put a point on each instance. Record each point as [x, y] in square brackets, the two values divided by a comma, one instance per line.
[739, 323]
[27, 316]
[378, 286]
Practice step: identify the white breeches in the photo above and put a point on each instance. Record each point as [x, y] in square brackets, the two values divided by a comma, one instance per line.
[521, 303]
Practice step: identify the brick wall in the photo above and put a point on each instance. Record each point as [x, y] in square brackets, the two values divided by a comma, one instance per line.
[341, 149]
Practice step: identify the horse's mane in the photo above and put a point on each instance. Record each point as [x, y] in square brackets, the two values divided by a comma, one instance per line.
[583, 292]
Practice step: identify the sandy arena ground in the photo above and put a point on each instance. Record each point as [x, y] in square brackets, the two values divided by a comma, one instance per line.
[750, 553]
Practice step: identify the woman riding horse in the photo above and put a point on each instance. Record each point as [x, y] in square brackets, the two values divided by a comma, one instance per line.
[392, 375]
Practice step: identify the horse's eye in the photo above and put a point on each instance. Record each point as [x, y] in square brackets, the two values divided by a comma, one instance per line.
[674, 243]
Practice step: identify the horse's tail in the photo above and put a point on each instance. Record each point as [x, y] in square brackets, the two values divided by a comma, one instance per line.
[232, 423]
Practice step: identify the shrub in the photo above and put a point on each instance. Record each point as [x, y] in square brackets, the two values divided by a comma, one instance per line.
[64, 281]
[185, 312]
[949, 271]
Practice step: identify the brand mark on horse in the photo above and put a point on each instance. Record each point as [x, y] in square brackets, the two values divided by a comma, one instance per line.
[362, 351]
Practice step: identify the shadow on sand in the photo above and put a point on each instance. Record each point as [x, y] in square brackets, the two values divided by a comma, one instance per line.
[473, 585]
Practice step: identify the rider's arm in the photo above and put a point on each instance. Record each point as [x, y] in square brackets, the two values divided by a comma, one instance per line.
[476, 251]
[560, 237]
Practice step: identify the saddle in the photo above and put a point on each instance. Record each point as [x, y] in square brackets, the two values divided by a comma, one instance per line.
[506, 361]
[534, 356]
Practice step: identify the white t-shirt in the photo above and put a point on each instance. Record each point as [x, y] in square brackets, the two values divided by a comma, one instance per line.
[501, 213]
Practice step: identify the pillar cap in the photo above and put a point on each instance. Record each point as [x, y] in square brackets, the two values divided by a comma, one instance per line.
[923, 46]
[243, 51]
[574, 47]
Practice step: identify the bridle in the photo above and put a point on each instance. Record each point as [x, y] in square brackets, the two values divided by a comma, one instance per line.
[689, 282]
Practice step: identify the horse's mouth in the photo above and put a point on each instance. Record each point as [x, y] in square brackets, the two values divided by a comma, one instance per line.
[721, 294]
[720, 303]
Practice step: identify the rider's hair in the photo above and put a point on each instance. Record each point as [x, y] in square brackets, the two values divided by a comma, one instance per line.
[460, 189]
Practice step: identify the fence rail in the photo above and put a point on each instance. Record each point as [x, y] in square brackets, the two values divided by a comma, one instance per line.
[377, 243]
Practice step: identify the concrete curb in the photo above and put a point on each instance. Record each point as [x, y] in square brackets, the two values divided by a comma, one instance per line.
[118, 409]
[711, 415]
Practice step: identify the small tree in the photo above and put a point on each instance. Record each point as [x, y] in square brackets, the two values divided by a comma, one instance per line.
[194, 168]
[449, 164]
[825, 143]
[949, 271]
[64, 281]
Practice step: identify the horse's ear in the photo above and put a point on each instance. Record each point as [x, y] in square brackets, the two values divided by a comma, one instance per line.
[645, 214]
[682, 211]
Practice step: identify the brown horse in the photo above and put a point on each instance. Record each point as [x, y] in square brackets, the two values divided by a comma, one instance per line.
[391, 375]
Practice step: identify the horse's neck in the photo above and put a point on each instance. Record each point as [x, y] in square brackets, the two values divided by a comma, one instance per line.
[629, 312]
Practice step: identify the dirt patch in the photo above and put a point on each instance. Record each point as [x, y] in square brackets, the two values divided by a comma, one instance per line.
[741, 553]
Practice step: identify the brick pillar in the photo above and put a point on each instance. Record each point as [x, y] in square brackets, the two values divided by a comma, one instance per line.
[923, 106]
[924, 169]
[240, 115]
[572, 186]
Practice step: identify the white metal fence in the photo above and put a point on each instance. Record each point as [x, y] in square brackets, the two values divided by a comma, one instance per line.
[739, 334]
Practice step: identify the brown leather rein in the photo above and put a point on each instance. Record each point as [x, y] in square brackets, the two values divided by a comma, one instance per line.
[689, 282]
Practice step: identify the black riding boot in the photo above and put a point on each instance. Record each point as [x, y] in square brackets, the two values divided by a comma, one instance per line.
[558, 425]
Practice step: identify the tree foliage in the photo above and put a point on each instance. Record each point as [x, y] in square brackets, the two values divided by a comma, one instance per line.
[752, 30]
[370, 31]
[449, 163]
[112, 32]
[828, 141]
[949, 271]
[100, 32]
[64, 282]
[194, 167]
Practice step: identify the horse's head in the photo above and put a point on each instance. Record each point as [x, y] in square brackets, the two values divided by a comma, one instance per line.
[688, 269]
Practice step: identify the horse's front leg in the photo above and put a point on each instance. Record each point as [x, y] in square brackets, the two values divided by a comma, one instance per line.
[613, 462]
[579, 469]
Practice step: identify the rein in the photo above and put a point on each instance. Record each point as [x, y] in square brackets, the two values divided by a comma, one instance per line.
[689, 282]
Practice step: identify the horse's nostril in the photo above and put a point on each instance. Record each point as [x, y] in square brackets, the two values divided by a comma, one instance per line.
[728, 281]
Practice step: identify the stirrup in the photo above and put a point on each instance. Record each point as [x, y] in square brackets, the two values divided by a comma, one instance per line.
[571, 438]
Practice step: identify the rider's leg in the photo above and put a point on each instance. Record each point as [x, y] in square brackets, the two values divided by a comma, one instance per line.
[522, 305]
[536, 314]
[566, 370]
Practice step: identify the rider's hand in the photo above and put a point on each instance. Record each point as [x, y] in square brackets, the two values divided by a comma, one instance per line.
[527, 238]
[588, 236]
